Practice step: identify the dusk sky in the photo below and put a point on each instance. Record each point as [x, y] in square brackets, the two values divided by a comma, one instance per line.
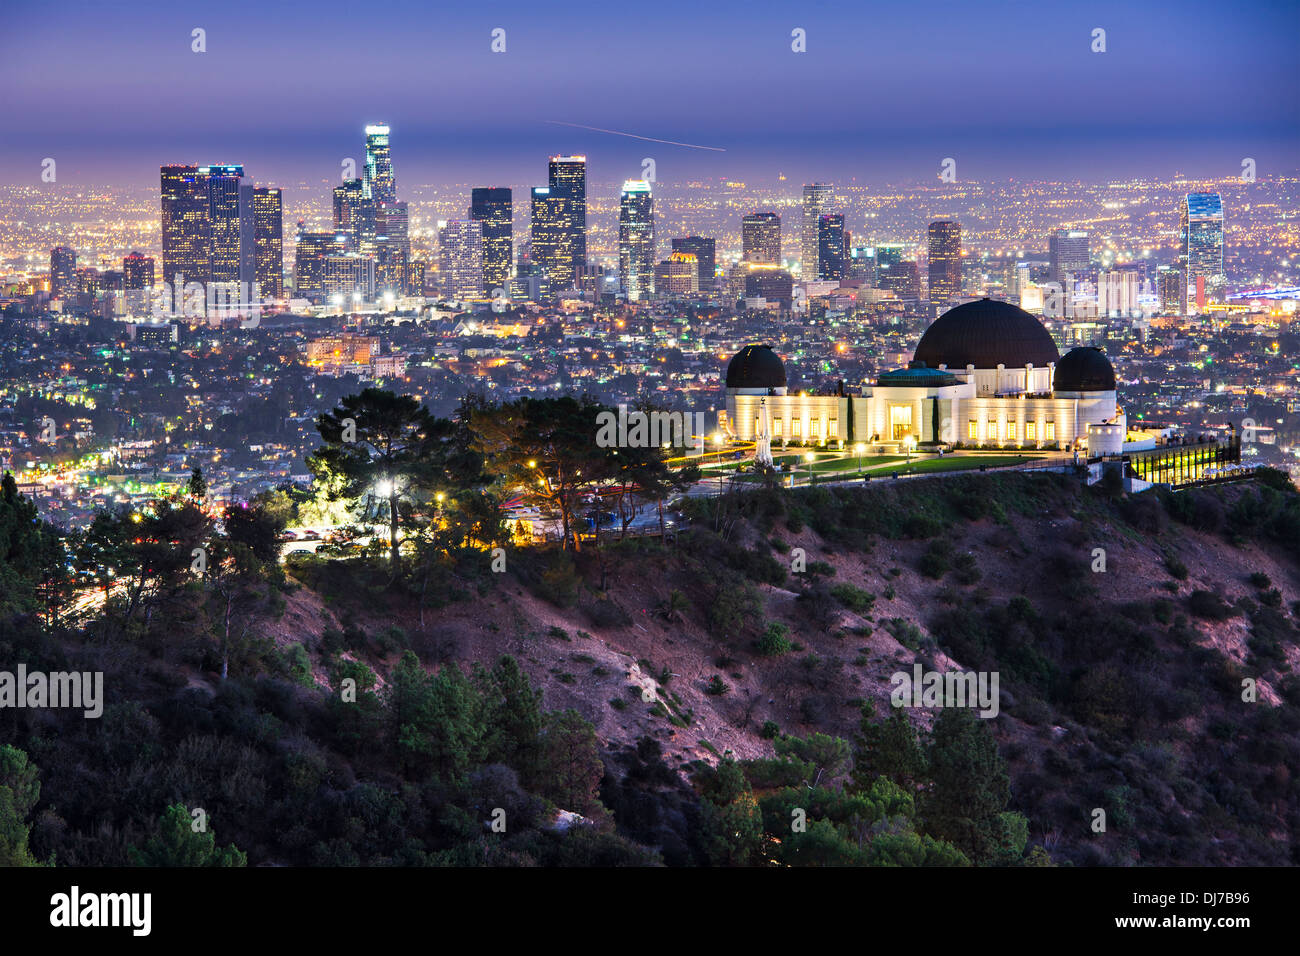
[883, 93]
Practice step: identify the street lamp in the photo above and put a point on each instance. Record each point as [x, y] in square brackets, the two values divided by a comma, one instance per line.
[908, 442]
[810, 458]
[859, 448]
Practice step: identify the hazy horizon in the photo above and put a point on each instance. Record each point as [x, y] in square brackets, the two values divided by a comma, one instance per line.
[1008, 90]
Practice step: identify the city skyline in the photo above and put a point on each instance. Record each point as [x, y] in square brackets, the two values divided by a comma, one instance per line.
[707, 435]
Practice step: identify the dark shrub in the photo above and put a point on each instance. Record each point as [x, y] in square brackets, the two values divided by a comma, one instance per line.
[1208, 605]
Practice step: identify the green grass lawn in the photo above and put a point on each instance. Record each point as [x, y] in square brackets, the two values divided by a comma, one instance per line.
[827, 464]
[834, 467]
[957, 463]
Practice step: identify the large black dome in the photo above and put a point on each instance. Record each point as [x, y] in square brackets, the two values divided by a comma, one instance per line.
[756, 366]
[1084, 369]
[986, 333]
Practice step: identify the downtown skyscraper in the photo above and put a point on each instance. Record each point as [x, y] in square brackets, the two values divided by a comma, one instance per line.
[830, 247]
[945, 263]
[186, 229]
[704, 249]
[347, 199]
[816, 200]
[379, 183]
[1200, 233]
[63, 272]
[636, 240]
[208, 228]
[460, 243]
[493, 208]
[760, 236]
[559, 227]
[268, 241]
[1068, 255]
[137, 272]
[230, 201]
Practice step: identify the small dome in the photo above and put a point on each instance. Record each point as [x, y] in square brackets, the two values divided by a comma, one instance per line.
[986, 333]
[756, 366]
[1084, 369]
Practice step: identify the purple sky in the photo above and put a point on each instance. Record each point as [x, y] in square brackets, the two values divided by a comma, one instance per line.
[883, 93]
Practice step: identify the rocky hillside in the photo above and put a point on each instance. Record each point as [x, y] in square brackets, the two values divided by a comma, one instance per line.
[1121, 628]
[721, 698]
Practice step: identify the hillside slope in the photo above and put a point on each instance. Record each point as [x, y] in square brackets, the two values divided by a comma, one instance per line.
[1120, 681]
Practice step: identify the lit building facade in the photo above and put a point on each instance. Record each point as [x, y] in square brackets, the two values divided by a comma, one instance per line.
[636, 240]
[1068, 254]
[63, 272]
[1201, 252]
[945, 262]
[493, 208]
[830, 247]
[268, 239]
[379, 183]
[984, 373]
[816, 200]
[760, 235]
[461, 244]
[703, 249]
[679, 274]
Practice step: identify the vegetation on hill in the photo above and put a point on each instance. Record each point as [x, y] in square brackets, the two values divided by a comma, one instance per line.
[1153, 683]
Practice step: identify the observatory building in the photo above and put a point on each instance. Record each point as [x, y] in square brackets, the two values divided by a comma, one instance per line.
[984, 373]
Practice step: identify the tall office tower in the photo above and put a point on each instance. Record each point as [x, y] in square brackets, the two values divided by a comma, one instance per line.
[549, 238]
[636, 240]
[1169, 288]
[379, 182]
[568, 188]
[230, 201]
[137, 271]
[63, 272]
[760, 236]
[392, 270]
[1067, 252]
[830, 247]
[313, 248]
[862, 265]
[1020, 277]
[186, 228]
[137, 283]
[1201, 253]
[493, 206]
[816, 199]
[704, 251]
[346, 198]
[945, 262]
[268, 239]
[461, 244]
